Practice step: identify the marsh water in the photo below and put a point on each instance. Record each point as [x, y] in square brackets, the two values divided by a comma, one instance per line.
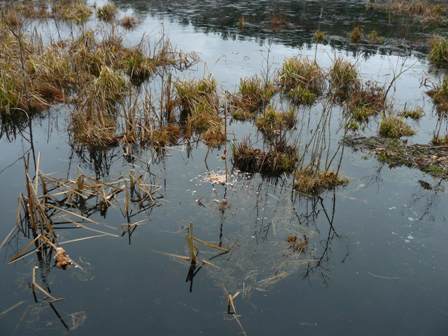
[378, 245]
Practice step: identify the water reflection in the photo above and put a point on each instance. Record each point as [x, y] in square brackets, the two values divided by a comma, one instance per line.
[290, 22]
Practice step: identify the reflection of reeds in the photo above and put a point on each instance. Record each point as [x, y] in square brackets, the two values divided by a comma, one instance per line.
[316, 171]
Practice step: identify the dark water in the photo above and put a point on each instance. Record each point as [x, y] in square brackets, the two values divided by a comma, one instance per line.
[381, 269]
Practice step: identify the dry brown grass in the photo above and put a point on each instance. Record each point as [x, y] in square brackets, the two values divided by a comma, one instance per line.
[302, 80]
[344, 79]
[253, 94]
[421, 10]
[310, 182]
[277, 160]
[395, 127]
[272, 123]
[129, 22]
[107, 12]
[367, 101]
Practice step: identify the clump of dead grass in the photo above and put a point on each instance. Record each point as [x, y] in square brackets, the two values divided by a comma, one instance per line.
[94, 121]
[277, 160]
[32, 77]
[191, 92]
[439, 140]
[357, 34]
[438, 54]
[206, 122]
[107, 12]
[375, 38]
[138, 66]
[129, 22]
[319, 36]
[415, 113]
[253, 94]
[422, 10]
[439, 96]
[76, 11]
[166, 135]
[365, 102]
[302, 80]
[311, 182]
[272, 123]
[344, 78]
[394, 127]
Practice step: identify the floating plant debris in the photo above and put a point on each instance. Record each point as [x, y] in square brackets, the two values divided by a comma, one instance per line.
[431, 159]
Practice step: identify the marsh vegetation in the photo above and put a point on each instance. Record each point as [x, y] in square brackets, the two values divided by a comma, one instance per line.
[224, 165]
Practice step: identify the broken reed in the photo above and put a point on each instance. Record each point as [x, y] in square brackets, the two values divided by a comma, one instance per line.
[51, 204]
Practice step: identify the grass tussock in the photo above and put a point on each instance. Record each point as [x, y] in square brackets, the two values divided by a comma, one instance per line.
[415, 114]
[165, 136]
[76, 11]
[310, 182]
[344, 78]
[367, 101]
[253, 93]
[438, 140]
[302, 80]
[73, 11]
[139, 62]
[129, 22]
[199, 104]
[276, 161]
[272, 123]
[357, 34]
[439, 96]
[138, 66]
[319, 36]
[394, 127]
[422, 10]
[375, 38]
[32, 77]
[94, 121]
[203, 114]
[438, 54]
[107, 12]
[192, 92]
